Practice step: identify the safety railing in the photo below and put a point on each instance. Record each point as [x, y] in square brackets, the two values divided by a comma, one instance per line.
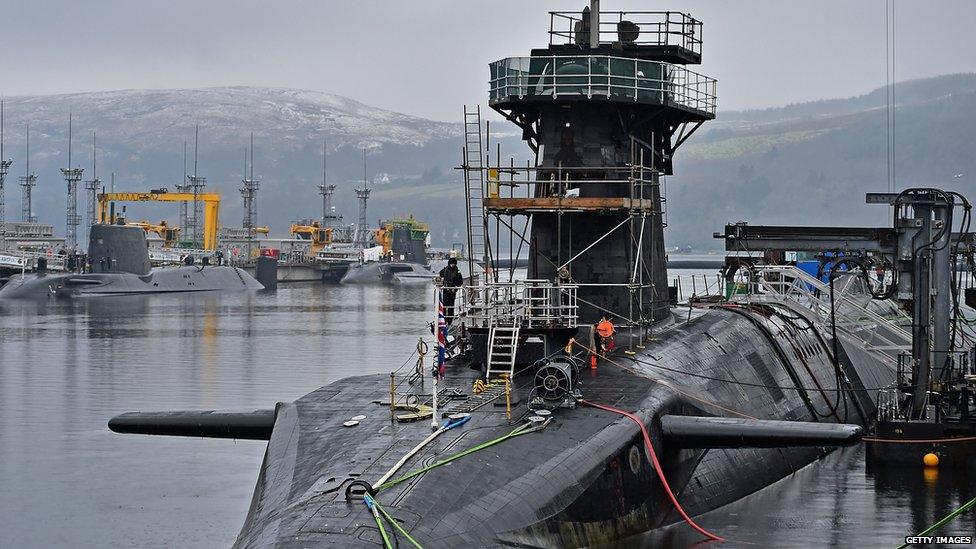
[640, 184]
[890, 404]
[27, 260]
[530, 303]
[176, 256]
[641, 28]
[25, 229]
[851, 311]
[616, 78]
[698, 286]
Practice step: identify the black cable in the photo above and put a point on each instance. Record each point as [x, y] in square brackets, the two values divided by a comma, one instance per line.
[746, 383]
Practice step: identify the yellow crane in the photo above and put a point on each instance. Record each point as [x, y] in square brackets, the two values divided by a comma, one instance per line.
[211, 203]
[170, 235]
[315, 232]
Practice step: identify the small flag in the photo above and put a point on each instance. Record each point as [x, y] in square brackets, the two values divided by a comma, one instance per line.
[439, 370]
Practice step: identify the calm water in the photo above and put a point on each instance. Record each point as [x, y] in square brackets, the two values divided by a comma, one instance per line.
[65, 368]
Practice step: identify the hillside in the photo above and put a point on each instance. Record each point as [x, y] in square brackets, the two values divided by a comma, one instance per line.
[806, 163]
[812, 163]
[141, 135]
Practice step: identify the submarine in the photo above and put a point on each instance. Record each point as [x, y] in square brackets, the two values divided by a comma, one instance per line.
[403, 258]
[579, 406]
[119, 265]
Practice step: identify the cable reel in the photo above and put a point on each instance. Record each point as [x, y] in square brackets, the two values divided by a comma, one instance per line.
[556, 380]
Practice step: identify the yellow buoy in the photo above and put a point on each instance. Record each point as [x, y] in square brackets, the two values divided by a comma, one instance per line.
[930, 460]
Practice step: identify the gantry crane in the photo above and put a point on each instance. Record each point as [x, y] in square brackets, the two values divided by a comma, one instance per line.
[211, 203]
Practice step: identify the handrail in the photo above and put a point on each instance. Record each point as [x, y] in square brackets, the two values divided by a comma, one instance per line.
[529, 303]
[618, 78]
[788, 284]
[23, 259]
[655, 28]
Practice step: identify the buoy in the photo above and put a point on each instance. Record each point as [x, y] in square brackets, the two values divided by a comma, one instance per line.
[931, 460]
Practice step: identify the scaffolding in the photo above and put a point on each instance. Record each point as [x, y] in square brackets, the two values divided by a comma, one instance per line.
[512, 198]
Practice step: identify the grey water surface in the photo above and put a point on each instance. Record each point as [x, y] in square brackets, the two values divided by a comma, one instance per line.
[66, 367]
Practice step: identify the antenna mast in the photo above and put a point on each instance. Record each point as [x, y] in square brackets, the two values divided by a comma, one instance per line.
[183, 186]
[362, 229]
[71, 176]
[4, 167]
[249, 191]
[328, 217]
[91, 186]
[196, 184]
[27, 183]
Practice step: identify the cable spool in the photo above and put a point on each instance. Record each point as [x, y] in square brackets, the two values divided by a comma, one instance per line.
[556, 379]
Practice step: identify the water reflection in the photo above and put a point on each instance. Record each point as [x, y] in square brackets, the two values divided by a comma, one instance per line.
[836, 502]
[67, 366]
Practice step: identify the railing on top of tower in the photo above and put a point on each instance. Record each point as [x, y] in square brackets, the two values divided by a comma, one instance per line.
[611, 77]
[639, 28]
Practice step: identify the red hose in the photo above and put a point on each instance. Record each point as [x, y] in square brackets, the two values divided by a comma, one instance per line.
[657, 467]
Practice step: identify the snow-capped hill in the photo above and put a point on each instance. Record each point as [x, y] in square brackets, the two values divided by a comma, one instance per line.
[141, 134]
[145, 116]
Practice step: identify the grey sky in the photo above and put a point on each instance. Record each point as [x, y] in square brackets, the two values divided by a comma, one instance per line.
[429, 57]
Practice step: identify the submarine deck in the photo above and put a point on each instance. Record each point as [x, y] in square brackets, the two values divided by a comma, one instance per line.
[548, 487]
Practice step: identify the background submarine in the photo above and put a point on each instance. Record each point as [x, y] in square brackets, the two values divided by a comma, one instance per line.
[120, 265]
[695, 408]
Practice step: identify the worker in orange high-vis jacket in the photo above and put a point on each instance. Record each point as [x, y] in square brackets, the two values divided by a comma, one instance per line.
[604, 332]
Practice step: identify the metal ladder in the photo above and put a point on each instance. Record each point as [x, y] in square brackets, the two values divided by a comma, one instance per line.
[502, 347]
[474, 185]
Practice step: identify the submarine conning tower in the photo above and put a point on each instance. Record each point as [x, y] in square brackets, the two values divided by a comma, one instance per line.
[604, 108]
[118, 249]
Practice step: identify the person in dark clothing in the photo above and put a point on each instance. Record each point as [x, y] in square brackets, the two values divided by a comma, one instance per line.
[453, 280]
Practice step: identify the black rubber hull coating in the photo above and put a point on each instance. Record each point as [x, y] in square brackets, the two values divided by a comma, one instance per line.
[254, 425]
[725, 432]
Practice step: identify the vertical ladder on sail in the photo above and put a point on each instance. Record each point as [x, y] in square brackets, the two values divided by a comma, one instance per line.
[474, 184]
[502, 345]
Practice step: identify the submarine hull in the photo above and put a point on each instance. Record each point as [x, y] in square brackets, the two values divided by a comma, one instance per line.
[158, 280]
[381, 273]
[586, 479]
[119, 264]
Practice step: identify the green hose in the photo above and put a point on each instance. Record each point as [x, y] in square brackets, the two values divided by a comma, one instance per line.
[944, 521]
[397, 525]
[386, 539]
[515, 432]
[374, 506]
